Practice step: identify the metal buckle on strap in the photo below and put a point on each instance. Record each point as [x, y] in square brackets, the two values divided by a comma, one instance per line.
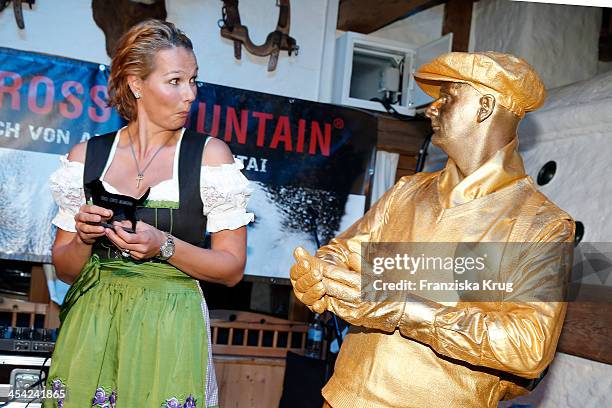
[276, 41]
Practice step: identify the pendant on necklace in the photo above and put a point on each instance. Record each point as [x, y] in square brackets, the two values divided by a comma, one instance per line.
[139, 178]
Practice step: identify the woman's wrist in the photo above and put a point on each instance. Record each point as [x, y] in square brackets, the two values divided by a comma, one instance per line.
[166, 247]
[81, 242]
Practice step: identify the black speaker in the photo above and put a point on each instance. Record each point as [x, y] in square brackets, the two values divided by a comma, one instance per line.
[304, 379]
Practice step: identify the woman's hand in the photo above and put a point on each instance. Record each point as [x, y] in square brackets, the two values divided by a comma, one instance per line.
[142, 244]
[86, 218]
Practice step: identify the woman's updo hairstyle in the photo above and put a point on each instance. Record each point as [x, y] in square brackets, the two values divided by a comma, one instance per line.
[135, 55]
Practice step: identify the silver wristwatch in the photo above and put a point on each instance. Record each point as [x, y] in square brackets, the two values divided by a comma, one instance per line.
[166, 250]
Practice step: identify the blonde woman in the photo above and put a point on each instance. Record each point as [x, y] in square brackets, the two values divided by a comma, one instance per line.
[135, 329]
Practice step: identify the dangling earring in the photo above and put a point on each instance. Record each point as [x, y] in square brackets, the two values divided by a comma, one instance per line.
[136, 94]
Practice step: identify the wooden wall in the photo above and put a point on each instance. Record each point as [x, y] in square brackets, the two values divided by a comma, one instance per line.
[249, 382]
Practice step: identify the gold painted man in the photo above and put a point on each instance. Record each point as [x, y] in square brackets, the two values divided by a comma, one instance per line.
[412, 351]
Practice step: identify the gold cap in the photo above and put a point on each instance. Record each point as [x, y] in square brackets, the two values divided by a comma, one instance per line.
[514, 83]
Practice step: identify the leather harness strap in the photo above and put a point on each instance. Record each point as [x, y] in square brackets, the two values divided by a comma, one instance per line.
[278, 40]
[17, 10]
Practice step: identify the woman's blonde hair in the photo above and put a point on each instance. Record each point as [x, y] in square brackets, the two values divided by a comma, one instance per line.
[134, 55]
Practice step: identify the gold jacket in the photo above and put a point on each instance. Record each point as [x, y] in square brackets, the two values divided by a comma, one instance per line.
[455, 354]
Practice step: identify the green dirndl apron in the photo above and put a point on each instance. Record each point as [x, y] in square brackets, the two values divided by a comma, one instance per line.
[135, 336]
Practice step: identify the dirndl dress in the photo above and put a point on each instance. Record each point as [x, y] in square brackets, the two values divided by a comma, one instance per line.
[134, 333]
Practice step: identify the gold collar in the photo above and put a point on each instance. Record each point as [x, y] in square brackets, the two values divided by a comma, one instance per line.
[503, 168]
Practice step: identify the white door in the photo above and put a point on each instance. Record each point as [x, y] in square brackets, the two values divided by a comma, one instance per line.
[425, 54]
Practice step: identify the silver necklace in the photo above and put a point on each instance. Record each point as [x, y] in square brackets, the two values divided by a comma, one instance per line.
[140, 174]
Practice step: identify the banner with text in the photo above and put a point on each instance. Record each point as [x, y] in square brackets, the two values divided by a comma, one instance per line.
[307, 161]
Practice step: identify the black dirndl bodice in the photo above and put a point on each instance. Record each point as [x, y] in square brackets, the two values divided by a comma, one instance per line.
[184, 220]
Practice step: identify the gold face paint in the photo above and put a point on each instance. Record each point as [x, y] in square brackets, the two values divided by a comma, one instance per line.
[469, 126]
[453, 115]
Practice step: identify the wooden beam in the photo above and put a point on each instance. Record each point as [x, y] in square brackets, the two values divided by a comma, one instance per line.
[115, 17]
[587, 330]
[403, 137]
[366, 16]
[605, 35]
[457, 20]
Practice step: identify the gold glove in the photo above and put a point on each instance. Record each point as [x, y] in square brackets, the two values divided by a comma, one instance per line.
[307, 280]
[323, 286]
[351, 296]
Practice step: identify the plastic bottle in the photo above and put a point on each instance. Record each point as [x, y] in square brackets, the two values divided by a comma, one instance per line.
[314, 342]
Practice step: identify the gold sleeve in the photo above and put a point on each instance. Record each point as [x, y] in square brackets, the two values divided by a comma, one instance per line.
[343, 256]
[517, 335]
[337, 251]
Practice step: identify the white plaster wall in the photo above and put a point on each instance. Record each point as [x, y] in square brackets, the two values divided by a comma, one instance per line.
[495, 26]
[571, 382]
[415, 30]
[63, 27]
[581, 185]
[560, 41]
[574, 128]
[67, 28]
[296, 76]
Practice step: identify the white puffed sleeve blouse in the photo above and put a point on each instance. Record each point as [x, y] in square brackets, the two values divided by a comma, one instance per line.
[224, 191]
